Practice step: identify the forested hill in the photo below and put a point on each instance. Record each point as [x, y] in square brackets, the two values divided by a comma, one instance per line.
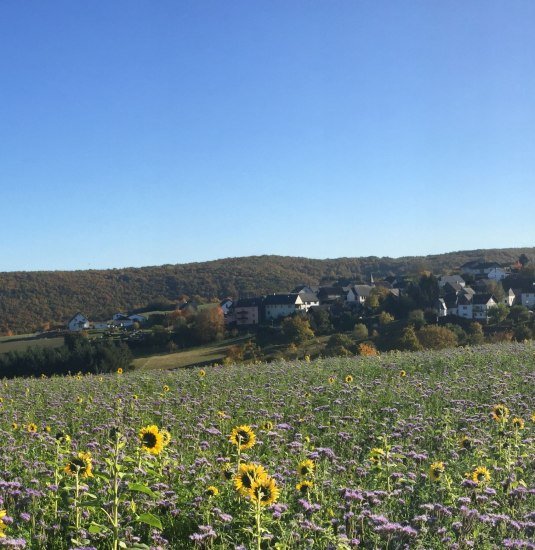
[30, 299]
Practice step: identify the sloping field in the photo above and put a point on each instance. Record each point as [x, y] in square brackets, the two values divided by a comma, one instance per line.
[423, 450]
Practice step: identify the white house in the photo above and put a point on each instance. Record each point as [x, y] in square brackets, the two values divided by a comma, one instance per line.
[78, 322]
[464, 306]
[282, 305]
[527, 297]
[481, 304]
[497, 273]
[441, 308]
[509, 299]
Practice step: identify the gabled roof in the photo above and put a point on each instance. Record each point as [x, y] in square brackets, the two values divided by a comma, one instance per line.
[482, 299]
[453, 287]
[76, 315]
[363, 290]
[465, 299]
[281, 299]
[308, 296]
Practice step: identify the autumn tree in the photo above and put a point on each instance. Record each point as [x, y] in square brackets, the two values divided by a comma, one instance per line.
[209, 325]
[296, 330]
[435, 337]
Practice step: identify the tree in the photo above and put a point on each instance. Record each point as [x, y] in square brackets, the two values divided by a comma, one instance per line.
[498, 313]
[417, 318]
[408, 340]
[209, 325]
[339, 344]
[385, 318]
[296, 330]
[523, 260]
[475, 335]
[435, 337]
[360, 332]
[522, 333]
[519, 314]
[320, 321]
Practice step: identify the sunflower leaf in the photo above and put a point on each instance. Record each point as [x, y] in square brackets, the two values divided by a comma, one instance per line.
[150, 519]
[140, 488]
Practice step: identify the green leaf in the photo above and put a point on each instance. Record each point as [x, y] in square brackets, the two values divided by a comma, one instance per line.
[150, 519]
[96, 528]
[140, 488]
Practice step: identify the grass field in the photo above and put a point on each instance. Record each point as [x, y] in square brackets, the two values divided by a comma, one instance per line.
[23, 342]
[426, 450]
[203, 355]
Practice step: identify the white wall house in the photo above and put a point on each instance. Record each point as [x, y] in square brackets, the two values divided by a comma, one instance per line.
[464, 306]
[509, 299]
[78, 322]
[282, 305]
[481, 304]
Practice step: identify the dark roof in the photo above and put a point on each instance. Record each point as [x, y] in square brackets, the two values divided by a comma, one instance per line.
[465, 299]
[363, 290]
[249, 302]
[455, 287]
[308, 296]
[482, 299]
[280, 299]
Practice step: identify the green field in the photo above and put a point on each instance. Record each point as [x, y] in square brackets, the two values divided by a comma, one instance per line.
[23, 342]
[429, 450]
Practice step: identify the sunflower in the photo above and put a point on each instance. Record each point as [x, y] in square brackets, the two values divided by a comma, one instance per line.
[402, 373]
[348, 379]
[500, 412]
[305, 468]
[212, 491]
[246, 476]
[31, 427]
[119, 370]
[3, 526]
[481, 475]
[264, 491]
[376, 454]
[331, 380]
[533, 417]
[202, 373]
[166, 388]
[466, 443]
[304, 486]
[151, 439]
[166, 437]
[226, 471]
[436, 470]
[80, 464]
[243, 437]
[62, 438]
[517, 423]
[268, 425]
[14, 426]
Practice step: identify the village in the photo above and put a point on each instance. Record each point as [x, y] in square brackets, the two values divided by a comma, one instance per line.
[471, 294]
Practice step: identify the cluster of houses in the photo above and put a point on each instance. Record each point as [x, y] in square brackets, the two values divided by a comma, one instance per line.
[120, 320]
[456, 298]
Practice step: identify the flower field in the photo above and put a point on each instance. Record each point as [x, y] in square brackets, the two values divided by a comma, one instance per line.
[422, 450]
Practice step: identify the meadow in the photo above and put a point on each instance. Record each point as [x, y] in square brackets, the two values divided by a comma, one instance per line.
[405, 450]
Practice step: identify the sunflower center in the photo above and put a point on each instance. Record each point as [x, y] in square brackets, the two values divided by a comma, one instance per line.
[149, 440]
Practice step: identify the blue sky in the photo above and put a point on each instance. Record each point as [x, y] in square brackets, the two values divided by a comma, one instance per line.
[140, 133]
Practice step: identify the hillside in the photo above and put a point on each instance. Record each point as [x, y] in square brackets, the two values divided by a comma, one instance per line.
[30, 299]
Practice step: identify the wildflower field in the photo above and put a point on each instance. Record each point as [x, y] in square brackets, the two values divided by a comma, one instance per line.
[423, 450]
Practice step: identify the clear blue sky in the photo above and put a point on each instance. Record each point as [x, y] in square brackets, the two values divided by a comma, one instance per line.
[147, 132]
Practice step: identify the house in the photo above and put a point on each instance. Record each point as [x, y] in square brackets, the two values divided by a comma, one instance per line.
[331, 294]
[247, 311]
[481, 304]
[101, 325]
[482, 269]
[282, 305]
[359, 293]
[453, 279]
[497, 273]
[527, 296]
[464, 306]
[226, 305]
[78, 322]
[309, 299]
[510, 297]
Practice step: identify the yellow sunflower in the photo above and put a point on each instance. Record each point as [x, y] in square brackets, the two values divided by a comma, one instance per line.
[119, 370]
[268, 425]
[500, 412]
[62, 438]
[202, 373]
[377, 454]
[348, 379]
[517, 423]
[304, 486]
[166, 388]
[481, 475]
[264, 491]
[31, 427]
[14, 426]
[3, 526]
[305, 468]
[246, 476]
[166, 437]
[331, 380]
[466, 443]
[402, 373]
[243, 437]
[436, 470]
[226, 471]
[151, 439]
[80, 464]
[212, 491]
